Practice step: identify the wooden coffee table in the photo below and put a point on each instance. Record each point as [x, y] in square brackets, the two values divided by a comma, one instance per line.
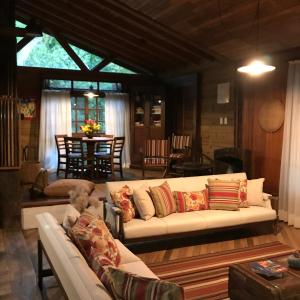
[245, 284]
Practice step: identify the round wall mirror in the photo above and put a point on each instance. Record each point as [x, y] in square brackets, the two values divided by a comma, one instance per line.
[271, 116]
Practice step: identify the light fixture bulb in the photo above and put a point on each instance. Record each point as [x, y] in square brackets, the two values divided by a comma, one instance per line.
[90, 93]
[256, 68]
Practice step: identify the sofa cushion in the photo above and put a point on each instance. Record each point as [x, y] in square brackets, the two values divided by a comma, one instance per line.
[223, 194]
[95, 241]
[140, 228]
[163, 200]
[121, 198]
[184, 222]
[138, 267]
[61, 187]
[189, 201]
[143, 202]
[255, 192]
[128, 286]
[70, 217]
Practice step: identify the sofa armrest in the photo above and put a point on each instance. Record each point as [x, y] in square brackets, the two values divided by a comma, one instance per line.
[275, 203]
[114, 217]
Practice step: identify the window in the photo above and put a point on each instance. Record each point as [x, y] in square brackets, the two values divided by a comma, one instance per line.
[45, 52]
[59, 84]
[114, 68]
[19, 24]
[89, 59]
[84, 108]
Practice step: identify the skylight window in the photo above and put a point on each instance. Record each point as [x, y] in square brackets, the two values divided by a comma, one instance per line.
[45, 52]
[114, 68]
[20, 24]
[89, 59]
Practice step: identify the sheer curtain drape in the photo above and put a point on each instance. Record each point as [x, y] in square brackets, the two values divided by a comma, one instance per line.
[117, 120]
[55, 118]
[289, 189]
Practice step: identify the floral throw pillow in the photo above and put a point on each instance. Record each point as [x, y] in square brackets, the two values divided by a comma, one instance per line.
[94, 240]
[122, 199]
[128, 286]
[243, 193]
[191, 201]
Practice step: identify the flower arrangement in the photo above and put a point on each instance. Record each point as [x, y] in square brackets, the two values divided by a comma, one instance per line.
[90, 127]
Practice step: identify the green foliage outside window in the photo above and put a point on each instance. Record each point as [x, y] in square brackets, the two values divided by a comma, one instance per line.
[89, 59]
[45, 52]
[114, 68]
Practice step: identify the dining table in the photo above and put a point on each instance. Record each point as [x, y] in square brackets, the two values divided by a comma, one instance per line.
[90, 157]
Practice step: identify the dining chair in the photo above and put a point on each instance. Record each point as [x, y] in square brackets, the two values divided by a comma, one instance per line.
[156, 154]
[103, 156]
[118, 146]
[61, 152]
[75, 157]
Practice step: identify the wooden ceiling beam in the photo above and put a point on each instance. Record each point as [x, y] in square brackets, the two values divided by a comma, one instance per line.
[150, 26]
[115, 24]
[101, 65]
[71, 52]
[66, 15]
[90, 38]
[23, 42]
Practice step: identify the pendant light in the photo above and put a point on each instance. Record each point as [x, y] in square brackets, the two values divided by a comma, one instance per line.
[256, 67]
[90, 93]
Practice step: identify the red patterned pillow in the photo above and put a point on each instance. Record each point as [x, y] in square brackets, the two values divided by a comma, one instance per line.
[223, 194]
[95, 241]
[243, 193]
[127, 286]
[190, 201]
[163, 200]
[123, 201]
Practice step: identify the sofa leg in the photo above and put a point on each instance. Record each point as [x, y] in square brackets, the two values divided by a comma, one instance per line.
[40, 265]
[41, 272]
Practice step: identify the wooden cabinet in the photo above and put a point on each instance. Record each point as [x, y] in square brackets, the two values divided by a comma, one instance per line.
[147, 119]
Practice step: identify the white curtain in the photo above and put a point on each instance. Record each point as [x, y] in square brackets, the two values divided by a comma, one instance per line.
[55, 118]
[289, 189]
[117, 120]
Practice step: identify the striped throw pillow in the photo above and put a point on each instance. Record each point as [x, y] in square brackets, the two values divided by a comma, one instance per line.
[223, 194]
[128, 286]
[163, 200]
[191, 201]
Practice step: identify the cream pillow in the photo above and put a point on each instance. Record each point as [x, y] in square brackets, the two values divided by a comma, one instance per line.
[70, 217]
[61, 187]
[255, 192]
[143, 203]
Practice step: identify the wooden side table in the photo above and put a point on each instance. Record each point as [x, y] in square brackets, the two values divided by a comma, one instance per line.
[245, 284]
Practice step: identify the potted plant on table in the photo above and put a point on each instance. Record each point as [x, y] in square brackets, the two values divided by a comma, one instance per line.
[90, 127]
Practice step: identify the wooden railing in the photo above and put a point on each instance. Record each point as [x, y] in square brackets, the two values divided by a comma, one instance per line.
[9, 133]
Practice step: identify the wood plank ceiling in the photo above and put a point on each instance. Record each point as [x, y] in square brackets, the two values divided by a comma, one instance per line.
[161, 35]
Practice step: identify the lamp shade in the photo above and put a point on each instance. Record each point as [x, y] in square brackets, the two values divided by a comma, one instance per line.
[256, 68]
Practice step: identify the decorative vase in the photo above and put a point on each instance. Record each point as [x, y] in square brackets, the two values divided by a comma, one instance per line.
[89, 135]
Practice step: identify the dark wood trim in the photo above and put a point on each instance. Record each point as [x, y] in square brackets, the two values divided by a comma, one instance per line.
[23, 42]
[47, 73]
[71, 52]
[101, 65]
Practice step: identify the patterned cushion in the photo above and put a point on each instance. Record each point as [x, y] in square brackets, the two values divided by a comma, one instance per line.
[122, 199]
[189, 201]
[94, 240]
[127, 286]
[163, 200]
[243, 193]
[223, 194]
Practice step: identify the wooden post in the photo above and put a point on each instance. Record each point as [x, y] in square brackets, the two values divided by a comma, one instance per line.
[9, 177]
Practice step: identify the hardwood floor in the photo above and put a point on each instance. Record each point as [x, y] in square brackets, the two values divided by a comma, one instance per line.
[18, 259]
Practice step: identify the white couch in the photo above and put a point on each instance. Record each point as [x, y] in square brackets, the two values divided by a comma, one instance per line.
[179, 223]
[71, 269]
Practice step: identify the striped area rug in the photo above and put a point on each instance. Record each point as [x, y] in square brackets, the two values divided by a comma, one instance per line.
[206, 276]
